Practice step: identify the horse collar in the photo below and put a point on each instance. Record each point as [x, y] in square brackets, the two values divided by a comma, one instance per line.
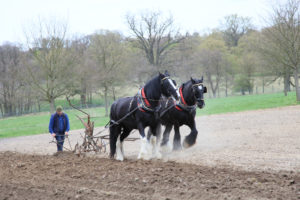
[181, 95]
[145, 98]
[143, 103]
[182, 105]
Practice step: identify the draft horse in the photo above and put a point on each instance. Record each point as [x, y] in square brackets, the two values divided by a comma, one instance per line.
[143, 109]
[183, 113]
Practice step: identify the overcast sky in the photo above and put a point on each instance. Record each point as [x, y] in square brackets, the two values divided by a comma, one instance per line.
[86, 16]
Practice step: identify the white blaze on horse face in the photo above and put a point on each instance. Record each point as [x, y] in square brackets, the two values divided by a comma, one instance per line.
[172, 84]
[178, 94]
[174, 87]
[200, 87]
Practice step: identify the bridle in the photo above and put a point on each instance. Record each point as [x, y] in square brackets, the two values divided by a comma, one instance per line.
[196, 86]
[143, 101]
[171, 83]
[162, 80]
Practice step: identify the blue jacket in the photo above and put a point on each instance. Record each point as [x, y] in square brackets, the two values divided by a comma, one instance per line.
[59, 124]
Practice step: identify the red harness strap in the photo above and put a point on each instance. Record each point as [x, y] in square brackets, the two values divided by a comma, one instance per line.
[182, 100]
[181, 95]
[178, 108]
[141, 109]
[145, 98]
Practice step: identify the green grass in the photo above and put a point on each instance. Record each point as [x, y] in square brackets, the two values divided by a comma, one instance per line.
[247, 102]
[38, 123]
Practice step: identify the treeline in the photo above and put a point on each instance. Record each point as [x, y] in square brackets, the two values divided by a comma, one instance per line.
[233, 58]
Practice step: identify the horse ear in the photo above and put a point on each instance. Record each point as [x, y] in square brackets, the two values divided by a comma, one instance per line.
[193, 81]
[167, 73]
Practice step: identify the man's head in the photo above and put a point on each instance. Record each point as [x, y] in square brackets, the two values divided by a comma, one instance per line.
[59, 110]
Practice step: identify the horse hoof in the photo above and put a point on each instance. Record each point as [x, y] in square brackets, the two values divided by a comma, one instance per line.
[187, 145]
[119, 157]
[143, 156]
[177, 147]
[166, 148]
[158, 155]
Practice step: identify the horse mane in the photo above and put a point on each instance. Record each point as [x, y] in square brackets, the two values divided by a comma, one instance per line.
[187, 91]
[153, 90]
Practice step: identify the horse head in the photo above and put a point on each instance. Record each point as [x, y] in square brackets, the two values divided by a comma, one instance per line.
[168, 86]
[199, 89]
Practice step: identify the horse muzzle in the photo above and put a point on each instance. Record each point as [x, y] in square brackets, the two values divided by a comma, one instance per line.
[201, 104]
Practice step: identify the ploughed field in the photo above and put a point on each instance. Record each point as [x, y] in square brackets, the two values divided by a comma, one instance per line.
[67, 176]
[246, 155]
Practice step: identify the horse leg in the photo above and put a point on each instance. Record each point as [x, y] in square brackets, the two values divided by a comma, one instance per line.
[177, 139]
[154, 141]
[191, 138]
[125, 133]
[114, 137]
[165, 141]
[166, 135]
[144, 143]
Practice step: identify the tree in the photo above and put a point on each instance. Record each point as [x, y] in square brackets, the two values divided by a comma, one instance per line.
[50, 71]
[273, 65]
[234, 27]
[10, 84]
[84, 71]
[284, 35]
[184, 59]
[155, 36]
[212, 57]
[248, 61]
[107, 51]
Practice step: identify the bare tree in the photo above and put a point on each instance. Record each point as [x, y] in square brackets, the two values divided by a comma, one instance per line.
[107, 53]
[234, 27]
[84, 71]
[10, 84]
[50, 70]
[212, 58]
[154, 35]
[284, 35]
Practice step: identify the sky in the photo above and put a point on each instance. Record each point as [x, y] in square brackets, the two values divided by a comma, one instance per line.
[87, 16]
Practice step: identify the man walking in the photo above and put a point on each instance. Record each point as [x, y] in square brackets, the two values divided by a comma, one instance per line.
[59, 127]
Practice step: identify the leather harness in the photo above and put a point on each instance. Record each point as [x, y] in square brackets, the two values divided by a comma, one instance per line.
[143, 102]
[182, 105]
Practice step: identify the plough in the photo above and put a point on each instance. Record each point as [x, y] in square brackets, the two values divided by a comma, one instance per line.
[92, 142]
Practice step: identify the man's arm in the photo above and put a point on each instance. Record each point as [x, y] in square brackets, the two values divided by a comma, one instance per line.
[67, 123]
[51, 124]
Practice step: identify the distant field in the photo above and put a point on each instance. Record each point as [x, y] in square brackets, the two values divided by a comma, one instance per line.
[248, 102]
[38, 123]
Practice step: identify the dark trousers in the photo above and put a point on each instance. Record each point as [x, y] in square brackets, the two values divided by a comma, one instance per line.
[60, 138]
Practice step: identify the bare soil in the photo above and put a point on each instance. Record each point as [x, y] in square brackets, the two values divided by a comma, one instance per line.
[247, 155]
[67, 176]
